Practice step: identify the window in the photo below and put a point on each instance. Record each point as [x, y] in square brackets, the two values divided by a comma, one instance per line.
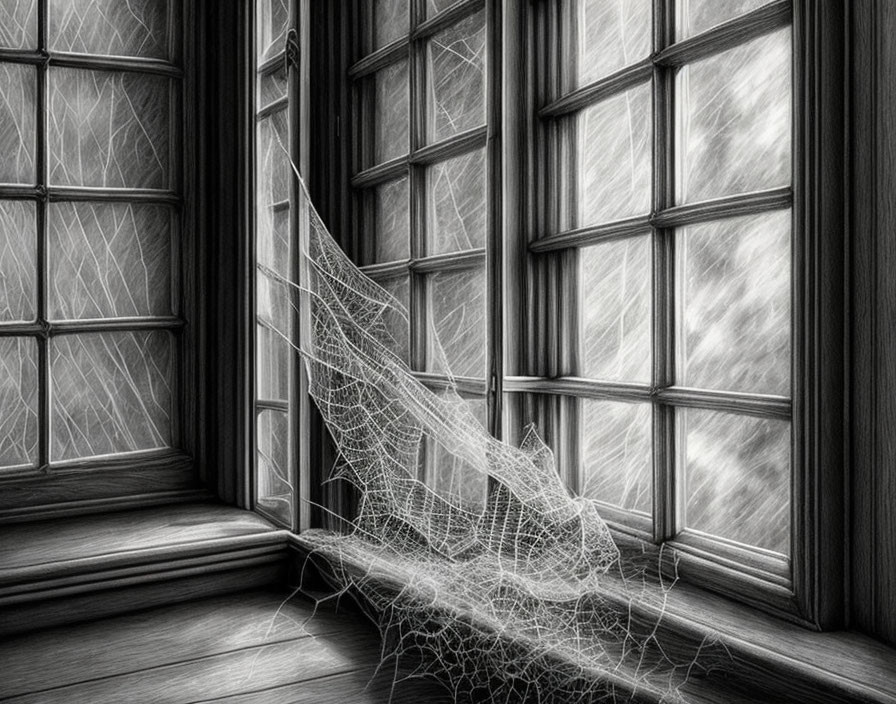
[670, 137]
[421, 179]
[649, 238]
[277, 370]
[95, 232]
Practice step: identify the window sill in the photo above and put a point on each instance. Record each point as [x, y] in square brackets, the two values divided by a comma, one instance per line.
[770, 659]
[63, 570]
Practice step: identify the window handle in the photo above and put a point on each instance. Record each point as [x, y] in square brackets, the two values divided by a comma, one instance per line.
[291, 57]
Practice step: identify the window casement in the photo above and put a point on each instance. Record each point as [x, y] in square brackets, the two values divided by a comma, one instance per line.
[677, 253]
[96, 352]
[423, 180]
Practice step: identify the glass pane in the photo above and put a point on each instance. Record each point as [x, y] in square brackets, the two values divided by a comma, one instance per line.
[109, 260]
[455, 62]
[451, 477]
[396, 323]
[390, 87]
[18, 263]
[18, 115]
[614, 148]
[272, 18]
[617, 457]
[733, 116]
[112, 27]
[18, 401]
[272, 159]
[611, 36]
[455, 191]
[734, 304]
[737, 477]
[272, 87]
[433, 7]
[273, 482]
[392, 221]
[108, 129]
[390, 21]
[18, 24]
[274, 358]
[695, 16]
[615, 310]
[457, 315]
[111, 393]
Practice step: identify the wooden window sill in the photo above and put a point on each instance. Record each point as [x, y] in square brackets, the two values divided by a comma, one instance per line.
[63, 570]
[770, 659]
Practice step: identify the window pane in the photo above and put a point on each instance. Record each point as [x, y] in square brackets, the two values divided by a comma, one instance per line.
[433, 7]
[611, 36]
[113, 27]
[455, 61]
[272, 87]
[617, 456]
[733, 116]
[390, 21]
[737, 477]
[272, 159]
[111, 393]
[457, 314]
[273, 482]
[456, 200]
[109, 260]
[18, 115]
[392, 221]
[274, 357]
[18, 401]
[390, 87]
[18, 24]
[614, 157]
[615, 310]
[18, 264]
[272, 18]
[451, 477]
[396, 323]
[695, 16]
[108, 129]
[734, 289]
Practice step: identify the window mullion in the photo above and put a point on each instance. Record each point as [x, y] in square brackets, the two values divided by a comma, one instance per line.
[417, 191]
[664, 491]
[43, 352]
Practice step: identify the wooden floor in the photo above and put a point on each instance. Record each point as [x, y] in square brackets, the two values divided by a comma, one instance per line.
[250, 648]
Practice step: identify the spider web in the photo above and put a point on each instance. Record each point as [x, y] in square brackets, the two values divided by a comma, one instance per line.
[521, 595]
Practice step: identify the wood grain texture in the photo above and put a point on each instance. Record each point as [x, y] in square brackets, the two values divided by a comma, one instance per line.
[260, 646]
[767, 657]
[873, 349]
[89, 537]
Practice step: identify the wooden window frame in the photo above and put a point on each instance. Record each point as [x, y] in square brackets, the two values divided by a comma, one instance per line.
[142, 477]
[807, 588]
[411, 46]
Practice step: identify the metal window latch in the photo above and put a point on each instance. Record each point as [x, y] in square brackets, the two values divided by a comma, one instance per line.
[292, 49]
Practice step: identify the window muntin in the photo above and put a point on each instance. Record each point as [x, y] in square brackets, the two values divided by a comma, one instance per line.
[90, 211]
[421, 183]
[680, 227]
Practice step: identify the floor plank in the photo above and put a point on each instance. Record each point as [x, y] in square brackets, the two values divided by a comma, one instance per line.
[153, 638]
[244, 648]
[359, 687]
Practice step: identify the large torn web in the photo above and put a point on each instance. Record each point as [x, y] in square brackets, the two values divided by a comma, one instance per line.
[514, 594]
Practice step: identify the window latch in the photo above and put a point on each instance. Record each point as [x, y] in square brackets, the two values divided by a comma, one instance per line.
[291, 57]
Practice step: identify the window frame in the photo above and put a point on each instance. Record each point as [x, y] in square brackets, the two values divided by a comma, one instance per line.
[420, 155]
[140, 477]
[812, 593]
